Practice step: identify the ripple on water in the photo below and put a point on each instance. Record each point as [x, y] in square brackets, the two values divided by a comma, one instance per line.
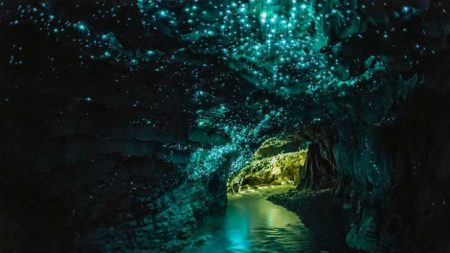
[253, 224]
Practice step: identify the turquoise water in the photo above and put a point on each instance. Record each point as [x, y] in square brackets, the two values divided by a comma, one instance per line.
[252, 224]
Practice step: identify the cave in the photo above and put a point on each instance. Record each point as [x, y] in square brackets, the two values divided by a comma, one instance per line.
[166, 126]
[277, 161]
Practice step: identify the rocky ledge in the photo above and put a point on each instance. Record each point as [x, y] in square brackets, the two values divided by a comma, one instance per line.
[319, 211]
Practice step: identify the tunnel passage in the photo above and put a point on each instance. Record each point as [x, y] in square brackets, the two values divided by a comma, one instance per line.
[105, 106]
[295, 160]
[258, 218]
[277, 161]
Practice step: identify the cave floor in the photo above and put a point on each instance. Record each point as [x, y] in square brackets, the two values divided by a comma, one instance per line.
[251, 223]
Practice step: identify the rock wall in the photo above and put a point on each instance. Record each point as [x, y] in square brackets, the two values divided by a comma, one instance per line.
[278, 161]
[92, 176]
[391, 153]
[90, 162]
[89, 171]
[391, 135]
[396, 189]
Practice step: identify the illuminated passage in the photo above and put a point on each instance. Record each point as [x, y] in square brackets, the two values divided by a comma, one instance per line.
[252, 224]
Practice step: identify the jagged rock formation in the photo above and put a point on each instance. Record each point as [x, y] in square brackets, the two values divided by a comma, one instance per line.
[279, 145]
[94, 158]
[87, 168]
[278, 161]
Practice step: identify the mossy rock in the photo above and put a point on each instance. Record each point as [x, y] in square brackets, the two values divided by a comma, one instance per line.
[275, 170]
[277, 145]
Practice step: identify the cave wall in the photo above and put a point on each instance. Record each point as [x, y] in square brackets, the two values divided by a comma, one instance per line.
[388, 136]
[93, 158]
[86, 170]
[392, 148]
[394, 180]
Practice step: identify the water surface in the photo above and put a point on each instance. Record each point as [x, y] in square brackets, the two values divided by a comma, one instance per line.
[252, 224]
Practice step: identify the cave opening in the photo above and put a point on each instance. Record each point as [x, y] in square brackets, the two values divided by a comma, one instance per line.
[251, 222]
[303, 160]
[259, 216]
[276, 163]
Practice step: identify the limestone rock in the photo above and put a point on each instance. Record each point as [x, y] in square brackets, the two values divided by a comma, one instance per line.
[274, 169]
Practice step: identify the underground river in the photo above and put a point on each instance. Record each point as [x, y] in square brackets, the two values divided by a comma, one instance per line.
[251, 223]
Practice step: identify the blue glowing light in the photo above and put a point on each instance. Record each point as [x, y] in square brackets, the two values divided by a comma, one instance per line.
[405, 9]
[81, 27]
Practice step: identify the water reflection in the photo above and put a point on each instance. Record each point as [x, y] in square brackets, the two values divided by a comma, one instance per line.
[253, 224]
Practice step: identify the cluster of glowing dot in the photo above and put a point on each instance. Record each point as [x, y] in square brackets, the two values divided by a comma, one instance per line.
[274, 44]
